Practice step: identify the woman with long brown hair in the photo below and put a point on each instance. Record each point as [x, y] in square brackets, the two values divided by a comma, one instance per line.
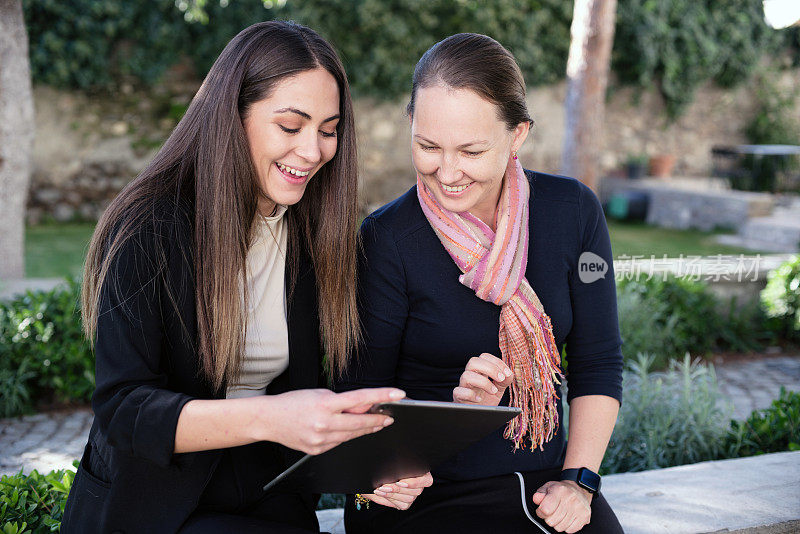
[213, 284]
[472, 284]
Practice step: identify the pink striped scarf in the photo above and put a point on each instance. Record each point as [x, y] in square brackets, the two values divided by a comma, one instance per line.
[494, 265]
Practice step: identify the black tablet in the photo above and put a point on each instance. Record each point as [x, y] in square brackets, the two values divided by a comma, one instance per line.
[424, 434]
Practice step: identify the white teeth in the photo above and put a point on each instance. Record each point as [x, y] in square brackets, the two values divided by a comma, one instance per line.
[456, 189]
[290, 170]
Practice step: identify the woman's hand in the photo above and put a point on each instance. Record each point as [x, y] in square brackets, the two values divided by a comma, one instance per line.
[402, 493]
[563, 505]
[316, 420]
[483, 381]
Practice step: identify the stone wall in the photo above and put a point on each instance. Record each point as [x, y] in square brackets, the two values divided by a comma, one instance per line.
[87, 147]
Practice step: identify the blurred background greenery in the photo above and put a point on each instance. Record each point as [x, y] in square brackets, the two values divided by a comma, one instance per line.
[676, 44]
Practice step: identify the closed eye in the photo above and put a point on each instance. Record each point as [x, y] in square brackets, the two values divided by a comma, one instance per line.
[328, 134]
[427, 147]
[468, 153]
[288, 130]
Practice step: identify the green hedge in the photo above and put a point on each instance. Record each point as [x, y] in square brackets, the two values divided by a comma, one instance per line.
[667, 318]
[34, 503]
[87, 44]
[774, 429]
[381, 40]
[666, 419]
[680, 44]
[674, 418]
[44, 356]
[675, 44]
[781, 299]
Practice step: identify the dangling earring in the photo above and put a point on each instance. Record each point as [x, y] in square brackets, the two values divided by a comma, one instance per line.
[514, 155]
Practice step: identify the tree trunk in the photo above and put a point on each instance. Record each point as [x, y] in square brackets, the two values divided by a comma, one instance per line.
[16, 137]
[587, 78]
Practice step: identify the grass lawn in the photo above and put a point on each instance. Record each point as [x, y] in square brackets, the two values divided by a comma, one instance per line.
[633, 239]
[54, 250]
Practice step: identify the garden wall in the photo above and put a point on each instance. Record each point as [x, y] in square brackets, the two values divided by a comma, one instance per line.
[87, 148]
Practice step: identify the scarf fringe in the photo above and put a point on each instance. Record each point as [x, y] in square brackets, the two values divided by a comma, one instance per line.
[536, 372]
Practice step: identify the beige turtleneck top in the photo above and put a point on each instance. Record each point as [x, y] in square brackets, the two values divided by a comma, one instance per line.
[266, 348]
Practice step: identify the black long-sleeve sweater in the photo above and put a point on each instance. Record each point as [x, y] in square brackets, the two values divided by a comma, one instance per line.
[421, 325]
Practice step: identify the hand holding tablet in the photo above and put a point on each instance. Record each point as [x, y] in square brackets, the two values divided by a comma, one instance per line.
[424, 434]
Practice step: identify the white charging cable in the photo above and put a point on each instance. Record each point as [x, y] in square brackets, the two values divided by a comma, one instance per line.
[525, 504]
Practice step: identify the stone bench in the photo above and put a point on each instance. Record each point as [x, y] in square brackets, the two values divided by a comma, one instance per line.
[755, 495]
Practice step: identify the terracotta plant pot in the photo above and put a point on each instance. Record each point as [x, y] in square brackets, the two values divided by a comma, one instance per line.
[661, 166]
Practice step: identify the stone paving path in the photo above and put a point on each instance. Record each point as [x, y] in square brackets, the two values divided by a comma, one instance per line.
[44, 441]
[53, 440]
[754, 384]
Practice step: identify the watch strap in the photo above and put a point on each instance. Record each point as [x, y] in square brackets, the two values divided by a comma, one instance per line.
[585, 478]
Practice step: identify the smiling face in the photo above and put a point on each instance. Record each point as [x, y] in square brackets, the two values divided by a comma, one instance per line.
[291, 135]
[461, 148]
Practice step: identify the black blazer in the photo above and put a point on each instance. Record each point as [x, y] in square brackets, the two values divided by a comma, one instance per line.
[129, 479]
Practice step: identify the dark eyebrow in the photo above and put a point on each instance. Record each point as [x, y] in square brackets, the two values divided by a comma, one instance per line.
[304, 114]
[465, 145]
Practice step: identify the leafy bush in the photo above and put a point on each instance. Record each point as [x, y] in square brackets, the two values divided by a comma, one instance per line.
[15, 396]
[667, 419]
[774, 429]
[34, 503]
[381, 40]
[43, 352]
[225, 20]
[681, 44]
[745, 328]
[645, 324]
[677, 44]
[672, 316]
[781, 299]
[81, 43]
[85, 44]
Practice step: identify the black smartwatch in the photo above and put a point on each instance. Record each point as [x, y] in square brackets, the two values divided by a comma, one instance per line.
[586, 478]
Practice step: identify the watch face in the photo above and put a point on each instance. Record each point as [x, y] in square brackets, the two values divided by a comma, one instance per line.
[588, 480]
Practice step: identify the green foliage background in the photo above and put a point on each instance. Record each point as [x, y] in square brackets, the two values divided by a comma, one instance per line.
[680, 44]
[43, 353]
[675, 45]
[669, 317]
[34, 503]
[781, 299]
[674, 417]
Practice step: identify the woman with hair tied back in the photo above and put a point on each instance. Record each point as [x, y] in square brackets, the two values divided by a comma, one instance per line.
[212, 285]
[470, 286]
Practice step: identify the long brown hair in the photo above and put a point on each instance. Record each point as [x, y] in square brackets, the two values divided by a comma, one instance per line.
[479, 63]
[207, 160]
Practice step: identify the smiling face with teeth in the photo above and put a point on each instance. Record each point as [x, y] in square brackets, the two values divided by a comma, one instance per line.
[291, 135]
[461, 147]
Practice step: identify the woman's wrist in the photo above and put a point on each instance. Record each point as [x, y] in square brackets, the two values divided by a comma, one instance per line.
[259, 420]
[574, 485]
